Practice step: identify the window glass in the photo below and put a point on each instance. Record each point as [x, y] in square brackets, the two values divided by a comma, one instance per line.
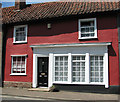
[61, 68]
[18, 64]
[78, 68]
[87, 28]
[96, 68]
[20, 33]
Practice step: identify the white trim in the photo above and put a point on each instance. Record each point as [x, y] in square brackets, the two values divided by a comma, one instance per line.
[14, 35]
[60, 54]
[87, 68]
[78, 83]
[50, 70]
[19, 55]
[78, 54]
[17, 42]
[71, 45]
[34, 84]
[69, 68]
[18, 74]
[106, 69]
[79, 28]
[35, 69]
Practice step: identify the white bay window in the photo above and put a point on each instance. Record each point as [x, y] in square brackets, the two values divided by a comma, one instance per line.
[85, 63]
[80, 65]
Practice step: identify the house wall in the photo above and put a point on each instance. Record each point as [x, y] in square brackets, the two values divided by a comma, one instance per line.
[118, 23]
[60, 33]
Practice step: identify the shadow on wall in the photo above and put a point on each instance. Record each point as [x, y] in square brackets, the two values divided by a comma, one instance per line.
[65, 25]
[111, 51]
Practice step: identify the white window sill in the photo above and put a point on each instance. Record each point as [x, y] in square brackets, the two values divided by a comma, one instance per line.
[79, 83]
[20, 42]
[18, 74]
[87, 38]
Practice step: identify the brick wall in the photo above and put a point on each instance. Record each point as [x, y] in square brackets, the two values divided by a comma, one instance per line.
[17, 84]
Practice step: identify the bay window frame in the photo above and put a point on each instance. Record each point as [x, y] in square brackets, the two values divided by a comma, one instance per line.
[100, 83]
[72, 68]
[62, 82]
[87, 69]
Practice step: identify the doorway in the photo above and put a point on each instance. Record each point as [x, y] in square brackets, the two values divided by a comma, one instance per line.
[43, 71]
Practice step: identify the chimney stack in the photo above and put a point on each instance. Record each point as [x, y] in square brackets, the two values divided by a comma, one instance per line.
[20, 4]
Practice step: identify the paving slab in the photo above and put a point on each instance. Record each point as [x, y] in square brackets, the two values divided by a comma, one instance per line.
[62, 95]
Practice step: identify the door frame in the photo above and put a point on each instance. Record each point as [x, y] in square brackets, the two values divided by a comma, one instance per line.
[35, 69]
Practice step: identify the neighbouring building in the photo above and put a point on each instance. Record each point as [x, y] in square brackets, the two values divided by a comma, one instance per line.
[72, 45]
[1, 37]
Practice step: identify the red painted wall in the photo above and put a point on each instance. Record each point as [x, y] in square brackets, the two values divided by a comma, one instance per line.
[63, 32]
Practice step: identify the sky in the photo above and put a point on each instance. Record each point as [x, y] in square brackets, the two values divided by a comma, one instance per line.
[7, 3]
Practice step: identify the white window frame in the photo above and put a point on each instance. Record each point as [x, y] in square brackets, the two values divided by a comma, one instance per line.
[12, 64]
[79, 28]
[87, 70]
[62, 82]
[14, 35]
[103, 70]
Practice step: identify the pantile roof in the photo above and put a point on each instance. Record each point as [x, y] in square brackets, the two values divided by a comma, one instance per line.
[55, 9]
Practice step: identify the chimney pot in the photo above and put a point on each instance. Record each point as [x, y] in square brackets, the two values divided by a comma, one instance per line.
[20, 4]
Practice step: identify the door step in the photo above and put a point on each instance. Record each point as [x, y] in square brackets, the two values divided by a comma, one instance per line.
[40, 89]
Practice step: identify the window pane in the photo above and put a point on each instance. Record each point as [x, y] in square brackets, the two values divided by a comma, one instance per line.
[78, 68]
[65, 78]
[91, 29]
[87, 28]
[18, 64]
[61, 68]
[96, 68]
[20, 34]
[83, 30]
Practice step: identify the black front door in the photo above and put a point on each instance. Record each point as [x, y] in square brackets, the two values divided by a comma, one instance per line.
[43, 71]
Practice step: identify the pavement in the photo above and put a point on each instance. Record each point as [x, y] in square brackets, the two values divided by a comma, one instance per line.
[61, 95]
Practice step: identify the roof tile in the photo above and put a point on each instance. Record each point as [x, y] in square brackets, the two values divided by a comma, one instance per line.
[55, 9]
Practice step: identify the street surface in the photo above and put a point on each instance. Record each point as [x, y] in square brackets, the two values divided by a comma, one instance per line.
[7, 98]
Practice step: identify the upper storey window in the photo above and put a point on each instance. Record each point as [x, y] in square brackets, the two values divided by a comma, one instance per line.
[20, 34]
[87, 28]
